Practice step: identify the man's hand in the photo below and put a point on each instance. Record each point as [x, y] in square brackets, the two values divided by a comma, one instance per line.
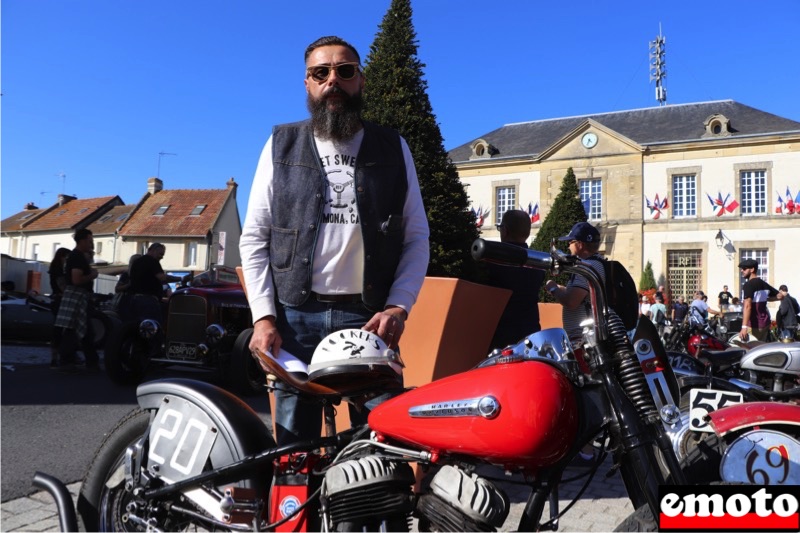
[389, 325]
[265, 338]
[743, 334]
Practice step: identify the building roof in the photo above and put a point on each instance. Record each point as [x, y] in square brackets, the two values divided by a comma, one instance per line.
[169, 213]
[649, 126]
[112, 220]
[17, 221]
[67, 215]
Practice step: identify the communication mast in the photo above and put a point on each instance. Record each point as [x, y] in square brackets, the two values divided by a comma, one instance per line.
[658, 69]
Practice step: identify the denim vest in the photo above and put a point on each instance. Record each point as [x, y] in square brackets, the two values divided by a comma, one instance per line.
[297, 205]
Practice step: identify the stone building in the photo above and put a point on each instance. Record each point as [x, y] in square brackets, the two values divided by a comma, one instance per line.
[692, 188]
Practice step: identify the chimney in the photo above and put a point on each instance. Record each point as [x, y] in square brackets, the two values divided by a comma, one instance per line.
[64, 198]
[154, 185]
[30, 206]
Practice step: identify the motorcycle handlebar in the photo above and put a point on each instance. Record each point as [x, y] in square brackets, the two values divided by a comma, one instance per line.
[510, 255]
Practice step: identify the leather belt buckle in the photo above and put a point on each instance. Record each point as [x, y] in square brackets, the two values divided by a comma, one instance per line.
[337, 298]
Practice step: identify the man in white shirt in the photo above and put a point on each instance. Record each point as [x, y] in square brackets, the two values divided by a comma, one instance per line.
[335, 235]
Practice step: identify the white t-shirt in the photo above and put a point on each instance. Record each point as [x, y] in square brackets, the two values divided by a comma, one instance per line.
[338, 257]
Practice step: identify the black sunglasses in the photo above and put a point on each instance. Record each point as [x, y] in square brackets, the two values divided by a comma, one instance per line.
[344, 71]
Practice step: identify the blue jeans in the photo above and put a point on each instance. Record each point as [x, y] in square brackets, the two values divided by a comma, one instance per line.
[298, 416]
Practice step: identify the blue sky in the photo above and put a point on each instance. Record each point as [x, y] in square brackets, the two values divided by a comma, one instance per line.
[95, 89]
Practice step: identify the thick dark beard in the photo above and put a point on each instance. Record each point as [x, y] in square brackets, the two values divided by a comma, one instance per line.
[339, 124]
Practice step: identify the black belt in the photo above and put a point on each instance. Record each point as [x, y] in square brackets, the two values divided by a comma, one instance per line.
[337, 298]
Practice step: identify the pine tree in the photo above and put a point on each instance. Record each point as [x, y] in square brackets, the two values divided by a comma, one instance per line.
[566, 211]
[395, 96]
[648, 280]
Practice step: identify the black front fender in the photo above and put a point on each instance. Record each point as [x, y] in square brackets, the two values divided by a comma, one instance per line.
[242, 431]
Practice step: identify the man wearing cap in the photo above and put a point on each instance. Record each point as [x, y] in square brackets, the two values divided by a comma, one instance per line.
[521, 315]
[584, 242]
[755, 293]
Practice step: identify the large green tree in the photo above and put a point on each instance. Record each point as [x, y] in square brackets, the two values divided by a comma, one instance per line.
[566, 211]
[396, 96]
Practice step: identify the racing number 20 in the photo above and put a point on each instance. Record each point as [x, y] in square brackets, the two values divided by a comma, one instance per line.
[194, 431]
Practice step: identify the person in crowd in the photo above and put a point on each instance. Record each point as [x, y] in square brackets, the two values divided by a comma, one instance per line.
[521, 315]
[699, 309]
[662, 293]
[756, 292]
[679, 310]
[787, 316]
[147, 282]
[658, 311]
[76, 306]
[335, 227]
[122, 291]
[735, 305]
[724, 298]
[644, 307]
[58, 283]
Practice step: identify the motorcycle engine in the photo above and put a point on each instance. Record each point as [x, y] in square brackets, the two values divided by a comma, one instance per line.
[458, 501]
[372, 493]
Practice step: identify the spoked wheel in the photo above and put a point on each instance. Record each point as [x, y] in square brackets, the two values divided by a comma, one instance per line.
[111, 498]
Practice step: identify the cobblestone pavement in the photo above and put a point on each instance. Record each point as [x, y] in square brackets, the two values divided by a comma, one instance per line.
[601, 507]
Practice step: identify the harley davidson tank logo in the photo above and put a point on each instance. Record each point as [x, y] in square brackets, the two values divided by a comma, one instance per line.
[486, 407]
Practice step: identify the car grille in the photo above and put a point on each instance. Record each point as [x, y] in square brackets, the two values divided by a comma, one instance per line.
[187, 319]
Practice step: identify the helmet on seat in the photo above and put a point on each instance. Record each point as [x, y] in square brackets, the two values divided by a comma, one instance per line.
[352, 357]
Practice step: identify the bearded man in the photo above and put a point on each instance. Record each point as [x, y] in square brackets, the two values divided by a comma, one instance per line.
[335, 234]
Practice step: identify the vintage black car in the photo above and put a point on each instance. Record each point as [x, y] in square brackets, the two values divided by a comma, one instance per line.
[206, 326]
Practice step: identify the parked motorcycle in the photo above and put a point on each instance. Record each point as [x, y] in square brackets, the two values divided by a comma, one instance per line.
[193, 455]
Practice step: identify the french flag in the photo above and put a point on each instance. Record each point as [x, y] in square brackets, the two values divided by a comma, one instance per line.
[533, 212]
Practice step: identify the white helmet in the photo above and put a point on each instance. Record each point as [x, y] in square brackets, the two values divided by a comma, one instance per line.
[354, 354]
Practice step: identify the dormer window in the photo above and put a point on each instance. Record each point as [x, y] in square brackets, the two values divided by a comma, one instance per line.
[199, 208]
[717, 125]
[161, 210]
[482, 150]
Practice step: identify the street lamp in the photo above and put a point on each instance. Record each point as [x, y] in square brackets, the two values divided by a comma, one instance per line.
[720, 238]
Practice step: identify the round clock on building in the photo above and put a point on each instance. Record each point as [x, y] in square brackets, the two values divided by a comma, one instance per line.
[589, 140]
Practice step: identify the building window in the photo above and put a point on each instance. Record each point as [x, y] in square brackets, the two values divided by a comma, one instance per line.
[98, 248]
[762, 256]
[197, 209]
[122, 217]
[754, 192]
[684, 196]
[592, 198]
[105, 218]
[684, 273]
[190, 258]
[35, 252]
[506, 199]
[161, 210]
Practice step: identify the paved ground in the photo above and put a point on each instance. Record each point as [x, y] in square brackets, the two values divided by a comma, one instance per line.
[602, 506]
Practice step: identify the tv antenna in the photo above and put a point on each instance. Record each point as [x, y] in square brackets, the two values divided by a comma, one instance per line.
[658, 70]
[63, 178]
[160, 155]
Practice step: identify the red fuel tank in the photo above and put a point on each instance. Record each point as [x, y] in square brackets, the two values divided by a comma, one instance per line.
[522, 414]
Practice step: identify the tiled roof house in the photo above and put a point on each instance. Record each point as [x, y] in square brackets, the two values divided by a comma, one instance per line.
[37, 233]
[199, 227]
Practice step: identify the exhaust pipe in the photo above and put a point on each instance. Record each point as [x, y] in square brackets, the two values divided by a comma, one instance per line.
[67, 519]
